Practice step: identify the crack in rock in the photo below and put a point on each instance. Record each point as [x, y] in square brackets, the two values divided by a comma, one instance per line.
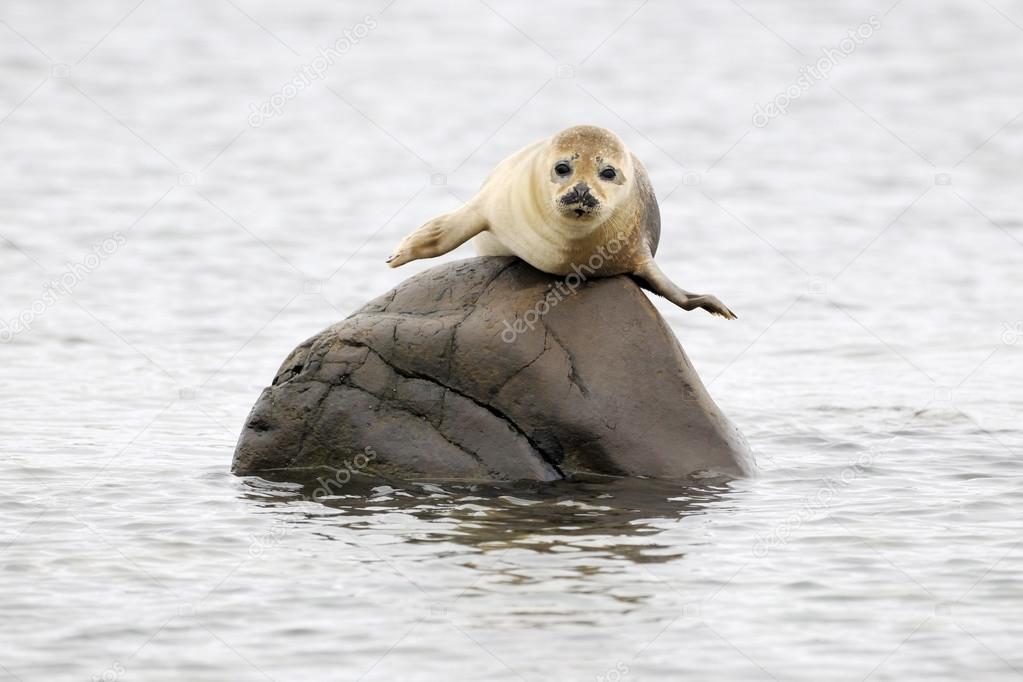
[573, 373]
[409, 374]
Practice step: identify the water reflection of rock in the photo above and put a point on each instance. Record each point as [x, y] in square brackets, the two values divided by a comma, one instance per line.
[616, 517]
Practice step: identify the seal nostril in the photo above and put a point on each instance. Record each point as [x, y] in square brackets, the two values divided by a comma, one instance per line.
[580, 194]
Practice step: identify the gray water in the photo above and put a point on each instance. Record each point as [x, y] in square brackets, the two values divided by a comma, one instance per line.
[869, 238]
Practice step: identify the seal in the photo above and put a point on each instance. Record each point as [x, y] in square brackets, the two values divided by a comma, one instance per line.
[577, 201]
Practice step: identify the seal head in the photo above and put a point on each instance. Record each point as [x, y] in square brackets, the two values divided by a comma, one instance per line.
[589, 173]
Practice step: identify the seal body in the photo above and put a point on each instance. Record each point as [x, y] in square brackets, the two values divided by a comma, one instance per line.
[577, 201]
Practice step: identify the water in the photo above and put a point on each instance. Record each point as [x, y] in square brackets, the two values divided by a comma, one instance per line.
[869, 240]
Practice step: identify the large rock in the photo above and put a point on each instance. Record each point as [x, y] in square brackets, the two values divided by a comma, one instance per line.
[487, 369]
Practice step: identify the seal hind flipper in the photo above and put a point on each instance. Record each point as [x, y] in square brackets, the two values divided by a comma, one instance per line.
[440, 235]
[652, 278]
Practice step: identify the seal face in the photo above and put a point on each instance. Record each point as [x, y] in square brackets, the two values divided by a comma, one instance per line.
[589, 172]
[555, 204]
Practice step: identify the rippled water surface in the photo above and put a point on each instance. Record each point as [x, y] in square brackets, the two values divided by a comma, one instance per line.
[869, 238]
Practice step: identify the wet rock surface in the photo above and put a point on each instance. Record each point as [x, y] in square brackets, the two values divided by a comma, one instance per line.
[487, 369]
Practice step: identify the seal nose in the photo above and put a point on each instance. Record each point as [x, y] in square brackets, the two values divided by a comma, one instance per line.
[580, 194]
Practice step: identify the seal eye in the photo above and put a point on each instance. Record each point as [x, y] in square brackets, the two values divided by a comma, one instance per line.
[562, 168]
[608, 174]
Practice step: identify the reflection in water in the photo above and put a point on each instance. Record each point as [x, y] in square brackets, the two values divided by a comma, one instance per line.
[613, 517]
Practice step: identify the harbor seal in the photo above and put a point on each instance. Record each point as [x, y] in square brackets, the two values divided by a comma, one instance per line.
[577, 200]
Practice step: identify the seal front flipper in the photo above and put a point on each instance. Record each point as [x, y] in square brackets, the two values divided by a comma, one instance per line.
[652, 278]
[440, 235]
